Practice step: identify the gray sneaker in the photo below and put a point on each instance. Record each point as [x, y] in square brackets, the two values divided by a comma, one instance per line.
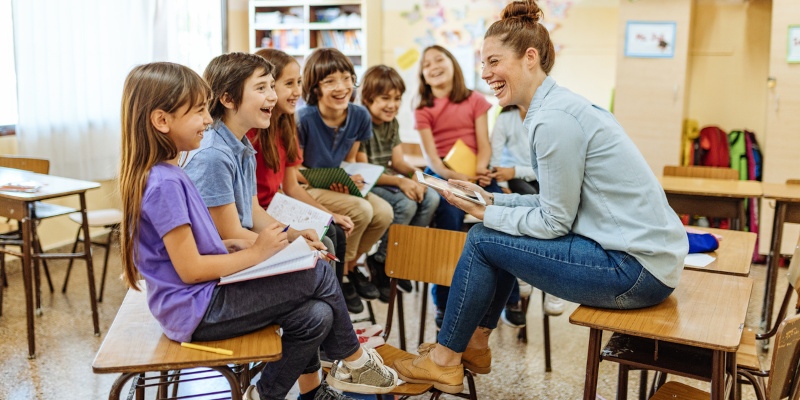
[372, 378]
[326, 392]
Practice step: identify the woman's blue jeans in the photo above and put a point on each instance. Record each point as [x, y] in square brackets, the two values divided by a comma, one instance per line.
[571, 267]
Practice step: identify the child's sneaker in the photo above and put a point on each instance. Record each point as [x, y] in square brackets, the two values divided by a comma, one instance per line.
[252, 394]
[372, 377]
[553, 306]
[325, 392]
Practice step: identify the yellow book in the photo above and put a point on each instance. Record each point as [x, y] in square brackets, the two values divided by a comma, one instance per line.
[461, 159]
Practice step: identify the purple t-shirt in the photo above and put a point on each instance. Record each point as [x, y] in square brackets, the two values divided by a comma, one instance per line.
[169, 201]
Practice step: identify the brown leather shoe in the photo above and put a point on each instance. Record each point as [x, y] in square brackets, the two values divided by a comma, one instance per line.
[478, 361]
[423, 370]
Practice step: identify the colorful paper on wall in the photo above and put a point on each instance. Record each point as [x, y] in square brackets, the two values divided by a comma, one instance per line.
[408, 59]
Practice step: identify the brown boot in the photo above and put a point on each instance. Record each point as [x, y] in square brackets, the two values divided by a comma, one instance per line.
[478, 361]
[423, 370]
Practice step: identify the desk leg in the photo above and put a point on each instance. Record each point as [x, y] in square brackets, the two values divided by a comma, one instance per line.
[592, 364]
[718, 375]
[774, 258]
[740, 224]
[87, 250]
[730, 358]
[27, 280]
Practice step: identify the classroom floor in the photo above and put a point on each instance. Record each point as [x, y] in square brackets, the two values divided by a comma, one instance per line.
[66, 345]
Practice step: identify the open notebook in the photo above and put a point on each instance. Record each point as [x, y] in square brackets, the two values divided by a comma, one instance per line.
[296, 256]
[299, 215]
[323, 178]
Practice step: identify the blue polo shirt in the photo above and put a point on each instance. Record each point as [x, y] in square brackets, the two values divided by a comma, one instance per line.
[223, 169]
[325, 147]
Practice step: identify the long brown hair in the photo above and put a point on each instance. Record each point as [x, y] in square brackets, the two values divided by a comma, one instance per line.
[519, 29]
[281, 127]
[460, 91]
[150, 87]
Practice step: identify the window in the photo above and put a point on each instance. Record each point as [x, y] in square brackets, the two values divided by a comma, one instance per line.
[8, 77]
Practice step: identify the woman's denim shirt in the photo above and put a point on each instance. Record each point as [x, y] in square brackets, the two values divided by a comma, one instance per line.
[593, 182]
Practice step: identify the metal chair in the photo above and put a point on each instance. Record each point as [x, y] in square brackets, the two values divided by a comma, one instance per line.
[108, 219]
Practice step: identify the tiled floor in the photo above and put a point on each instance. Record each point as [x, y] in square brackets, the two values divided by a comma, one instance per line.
[66, 345]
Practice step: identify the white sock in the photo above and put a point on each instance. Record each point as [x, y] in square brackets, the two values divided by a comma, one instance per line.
[358, 363]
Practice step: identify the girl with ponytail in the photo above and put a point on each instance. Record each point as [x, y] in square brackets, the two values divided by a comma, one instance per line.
[599, 233]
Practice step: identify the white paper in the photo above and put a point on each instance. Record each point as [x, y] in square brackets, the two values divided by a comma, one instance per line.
[298, 214]
[698, 260]
[296, 256]
[369, 172]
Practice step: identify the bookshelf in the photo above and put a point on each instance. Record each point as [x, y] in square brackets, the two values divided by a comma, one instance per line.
[300, 26]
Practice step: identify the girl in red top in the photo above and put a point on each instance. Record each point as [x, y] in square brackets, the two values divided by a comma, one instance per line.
[279, 159]
[448, 111]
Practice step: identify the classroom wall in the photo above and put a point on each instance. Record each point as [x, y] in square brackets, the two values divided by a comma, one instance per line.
[729, 64]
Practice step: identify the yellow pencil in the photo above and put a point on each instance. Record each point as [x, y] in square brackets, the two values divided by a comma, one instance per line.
[206, 348]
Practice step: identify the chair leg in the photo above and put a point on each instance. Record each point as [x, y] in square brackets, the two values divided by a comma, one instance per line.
[643, 385]
[71, 260]
[401, 317]
[369, 308]
[39, 249]
[522, 335]
[473, 394]
[422, 313]
[3, 268]
[114, 231]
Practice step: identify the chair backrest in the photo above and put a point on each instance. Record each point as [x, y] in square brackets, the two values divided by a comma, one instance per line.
[423, 254]
[694, 171]
[31, 164]
[784, 370]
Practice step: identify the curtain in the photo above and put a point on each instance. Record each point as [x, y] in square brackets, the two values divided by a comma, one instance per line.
[72, 58]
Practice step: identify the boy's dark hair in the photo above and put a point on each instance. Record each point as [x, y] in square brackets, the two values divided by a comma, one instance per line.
[227, 73]
[321, 63]
[379, 80]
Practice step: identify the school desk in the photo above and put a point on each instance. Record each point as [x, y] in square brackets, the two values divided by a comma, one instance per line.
[734, 254]
[710, 197]
[20, 206]
[787, 209]
[705, 312]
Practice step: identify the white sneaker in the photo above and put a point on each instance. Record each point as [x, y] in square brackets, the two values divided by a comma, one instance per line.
[525, 289]
[251, 394]
[553, 306]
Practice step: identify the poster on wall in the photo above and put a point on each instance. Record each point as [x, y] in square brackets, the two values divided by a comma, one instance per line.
[650, 39]
[793, 45]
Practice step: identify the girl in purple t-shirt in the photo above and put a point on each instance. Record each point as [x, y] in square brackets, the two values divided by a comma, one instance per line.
[169, 238]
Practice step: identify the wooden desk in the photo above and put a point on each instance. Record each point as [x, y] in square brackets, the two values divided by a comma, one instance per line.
[734, 254]
[20, 206]
[787, 209]
[710, 197]
[705, 311]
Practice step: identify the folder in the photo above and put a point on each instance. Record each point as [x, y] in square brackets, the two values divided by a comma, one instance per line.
[461, 159]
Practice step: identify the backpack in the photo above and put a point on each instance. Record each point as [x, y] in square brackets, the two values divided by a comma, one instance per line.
[738, 142]
[713, 148]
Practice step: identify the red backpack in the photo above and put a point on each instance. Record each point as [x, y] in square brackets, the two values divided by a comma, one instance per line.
[713, 148]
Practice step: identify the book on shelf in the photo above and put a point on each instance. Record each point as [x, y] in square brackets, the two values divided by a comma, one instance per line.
[297, 256]
[299, 215]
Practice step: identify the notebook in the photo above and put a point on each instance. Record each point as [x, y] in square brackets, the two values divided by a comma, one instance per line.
[461, 159]
[323, 178]
[297, 256]
[299, 215]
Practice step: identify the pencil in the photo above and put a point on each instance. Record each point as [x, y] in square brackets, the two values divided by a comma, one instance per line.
[206, 348]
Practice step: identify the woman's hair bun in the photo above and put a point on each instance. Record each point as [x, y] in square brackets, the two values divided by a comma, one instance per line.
[522, 9]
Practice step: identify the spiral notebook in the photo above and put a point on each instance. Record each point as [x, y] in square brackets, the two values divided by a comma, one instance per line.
[297, 256]
[298, 214]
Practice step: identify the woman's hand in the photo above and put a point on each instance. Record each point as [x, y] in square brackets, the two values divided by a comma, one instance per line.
[474, 209]
[487, 197]
[234, 245]
[344, 222]
[271, 240]
[502, 174]
[411, 189]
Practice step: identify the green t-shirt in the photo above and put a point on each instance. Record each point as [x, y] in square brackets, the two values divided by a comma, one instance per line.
[385, 137]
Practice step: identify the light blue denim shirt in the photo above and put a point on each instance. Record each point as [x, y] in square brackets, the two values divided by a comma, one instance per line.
[593, 182]
[223, 169]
